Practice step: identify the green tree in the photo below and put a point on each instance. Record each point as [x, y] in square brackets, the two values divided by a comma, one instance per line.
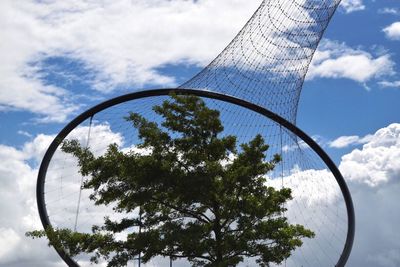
[200, 196]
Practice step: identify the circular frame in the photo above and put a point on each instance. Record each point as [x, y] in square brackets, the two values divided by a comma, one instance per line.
[40, 196]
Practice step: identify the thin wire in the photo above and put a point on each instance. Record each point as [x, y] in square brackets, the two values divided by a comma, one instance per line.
[81, 184]
[282, 168]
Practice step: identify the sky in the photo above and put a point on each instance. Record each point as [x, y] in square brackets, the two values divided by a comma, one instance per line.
[61, 57]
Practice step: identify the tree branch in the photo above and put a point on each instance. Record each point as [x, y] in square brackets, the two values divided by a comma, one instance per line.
[200, 216]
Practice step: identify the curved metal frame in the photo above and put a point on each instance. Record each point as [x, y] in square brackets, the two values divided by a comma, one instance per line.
[207, 94]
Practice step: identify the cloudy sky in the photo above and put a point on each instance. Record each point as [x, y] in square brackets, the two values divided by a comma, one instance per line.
[61, 57]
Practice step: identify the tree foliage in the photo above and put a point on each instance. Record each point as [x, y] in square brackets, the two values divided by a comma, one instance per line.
[200, 195]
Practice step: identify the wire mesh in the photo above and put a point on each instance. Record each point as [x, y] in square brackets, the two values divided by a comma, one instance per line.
[265, 64]
[267, 61]
[317, 200]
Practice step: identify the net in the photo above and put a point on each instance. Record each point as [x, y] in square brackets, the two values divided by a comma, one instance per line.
[265, 64]
[317, 204]
[267, 61]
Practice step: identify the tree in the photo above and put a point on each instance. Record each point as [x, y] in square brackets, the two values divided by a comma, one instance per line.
[200, 196]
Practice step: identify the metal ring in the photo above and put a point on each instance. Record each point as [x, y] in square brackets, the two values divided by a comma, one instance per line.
[201, 93]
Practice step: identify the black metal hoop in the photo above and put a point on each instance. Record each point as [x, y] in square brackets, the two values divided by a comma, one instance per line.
[207, 94]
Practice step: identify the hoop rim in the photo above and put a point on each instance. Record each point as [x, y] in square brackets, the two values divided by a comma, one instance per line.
[40, 198]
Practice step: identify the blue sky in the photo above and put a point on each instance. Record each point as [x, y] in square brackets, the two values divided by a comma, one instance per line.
[60, 58]
[348, 106]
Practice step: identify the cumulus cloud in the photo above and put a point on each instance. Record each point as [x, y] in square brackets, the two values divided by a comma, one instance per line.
[378, 162]
[18, 205]
[377, 240]
[318, 205]
[372, 174]
[337, 60]
[108, 37]
[9, 240]
[313, 190]
[393, 31]
[18, 173]
[350, 6]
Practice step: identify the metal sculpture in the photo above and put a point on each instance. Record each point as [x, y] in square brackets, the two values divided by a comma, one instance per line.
[256, 83]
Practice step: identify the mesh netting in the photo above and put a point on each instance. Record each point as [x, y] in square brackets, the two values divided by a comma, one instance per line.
[267, 61]
[265, 64]
[317, 203]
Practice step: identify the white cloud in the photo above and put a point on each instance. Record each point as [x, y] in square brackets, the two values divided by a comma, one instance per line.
[24, 133]
[337, 60]
[395, 84]
[352, 5]
[378, 162]
[393, 31]
[23, 93]
[388, 10]
[9, 240]
[345, 141]
[377, 240]
[18, 173]
[303, 145]
[318, 205]
[311, 186]
[121, 42]
[20, 89]
[17, 203]
[373, 178]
